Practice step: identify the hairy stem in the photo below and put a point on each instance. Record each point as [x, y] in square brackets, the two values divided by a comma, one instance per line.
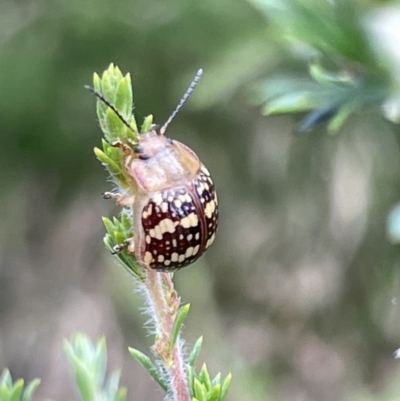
[164, 303]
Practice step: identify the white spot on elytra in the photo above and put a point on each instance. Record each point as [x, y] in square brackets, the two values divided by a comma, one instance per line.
[189, 237]
[181, 258]
[196, 249]
[174, 257]
[167, 262]
[160, 258]
[189, 252]
[177, 203]
[189, 221]
[164, 207]
[148, 239]
[148, 258]
[157, 199]
[209, 209]
[210, 241]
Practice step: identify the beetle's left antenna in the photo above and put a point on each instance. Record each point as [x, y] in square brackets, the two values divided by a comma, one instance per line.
[183, 100]
[112, 107]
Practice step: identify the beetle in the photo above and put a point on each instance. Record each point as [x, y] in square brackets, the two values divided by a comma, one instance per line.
[174, 201]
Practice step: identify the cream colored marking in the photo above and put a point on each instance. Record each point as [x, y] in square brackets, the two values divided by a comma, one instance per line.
[145, 215]
[170, 199]
[174, 257]
[197, 236]
[182, 198]
[202, 200]
[167, 262]
[181, 236]
[157, 199]
[177, 203]
[148, 258]
[158, 231]
[210, 241]
[189, 221]
[150, 209]
[189, 237]
[181, 258]
[189, 252]
[196, 250]
[167, 226]
[174, 243]
[148, 239]
[188, 198]
[206, 187]
[200, 188]
[164, 207]
[152, 232]
[205, 171]
[160, 258]
[209, 209]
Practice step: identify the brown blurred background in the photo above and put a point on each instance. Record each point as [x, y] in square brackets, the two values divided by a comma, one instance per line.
[299, 295]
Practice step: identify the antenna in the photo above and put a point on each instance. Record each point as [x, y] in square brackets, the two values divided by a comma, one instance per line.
[183, 100]
[112, 107]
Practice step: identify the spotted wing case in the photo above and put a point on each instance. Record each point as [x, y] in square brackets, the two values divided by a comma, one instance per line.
[179, 223]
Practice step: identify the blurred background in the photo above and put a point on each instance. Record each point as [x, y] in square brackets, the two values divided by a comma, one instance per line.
[299, 297]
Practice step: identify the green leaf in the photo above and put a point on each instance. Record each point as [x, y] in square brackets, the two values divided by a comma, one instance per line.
[146, 362]
[214, 393]
[147, 123]
[17, 390]
[83, 379]
[195, 351]
[30, 390]
[204, 377]
[190, 377]
[178, 322]
[100, 361]
[6, 378]
[225, 386]
[199, 390]
[216, 380]
[4, 392]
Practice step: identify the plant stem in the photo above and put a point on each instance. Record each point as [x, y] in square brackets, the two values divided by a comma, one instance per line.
[165, 302]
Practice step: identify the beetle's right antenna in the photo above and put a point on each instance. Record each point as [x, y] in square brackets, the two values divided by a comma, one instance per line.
[183, 100]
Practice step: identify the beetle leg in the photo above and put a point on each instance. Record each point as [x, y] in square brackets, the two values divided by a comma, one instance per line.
[121, 200]
[119, 247]
[125, 148]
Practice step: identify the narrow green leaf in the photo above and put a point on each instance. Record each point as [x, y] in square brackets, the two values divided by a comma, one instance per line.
[108, 224]
[216, 380]
[341, 116]
[204, 377]
[199, 390]
[214, 394]
[225, 387]
[83, 380]
[16, 392]
[111, 387]
[190, 377]
[4, 392]
[289, 102]
[147, 123]
[100, 361]
[6, 378]
[30, 390]
[195, 351]
[179, 319]
[146, 362]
